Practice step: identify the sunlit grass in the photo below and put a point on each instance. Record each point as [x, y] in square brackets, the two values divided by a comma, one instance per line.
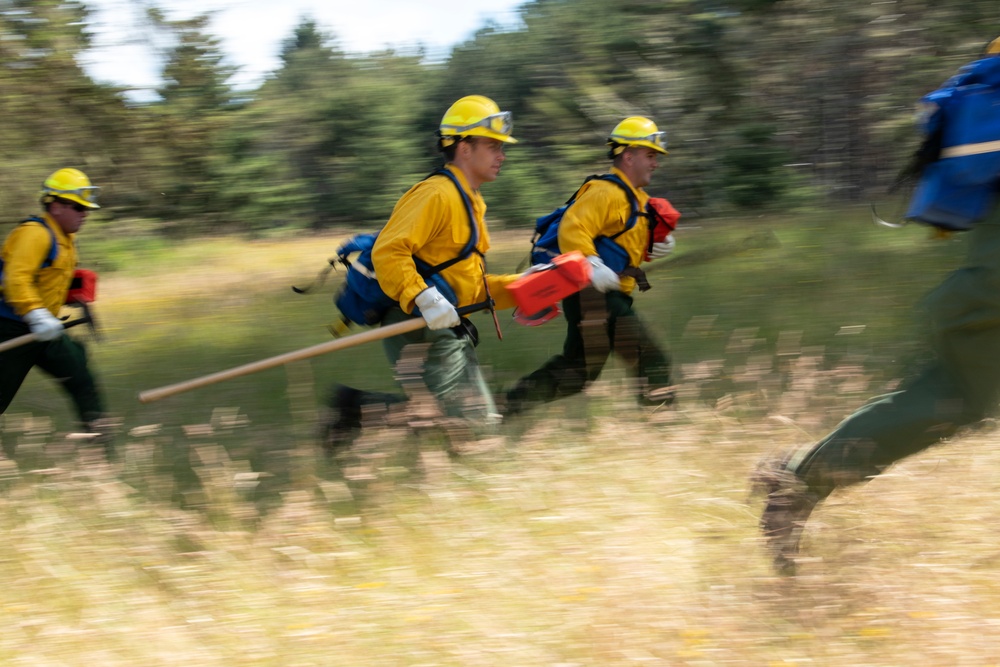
[590, 533]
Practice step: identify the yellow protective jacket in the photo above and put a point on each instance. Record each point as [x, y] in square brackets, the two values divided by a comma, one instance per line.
[26, 285]
[430, 221]
[602, 209]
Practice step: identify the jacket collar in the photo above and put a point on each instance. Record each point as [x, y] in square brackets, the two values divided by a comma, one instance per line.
[54, 226]
[640, 194]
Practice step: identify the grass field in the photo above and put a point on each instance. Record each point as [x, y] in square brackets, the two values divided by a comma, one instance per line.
[592, 533]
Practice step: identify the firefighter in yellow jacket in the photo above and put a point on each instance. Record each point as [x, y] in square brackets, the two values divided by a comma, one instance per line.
[37, 263]
[601, 320]
[430, 224]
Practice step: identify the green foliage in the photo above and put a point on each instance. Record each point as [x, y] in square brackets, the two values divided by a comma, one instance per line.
[53, 115]
[191, 120]
[751, 167]
[330, 139]
[772, 344]
[194, 75]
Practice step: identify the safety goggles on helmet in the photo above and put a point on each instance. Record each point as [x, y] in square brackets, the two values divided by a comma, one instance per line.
[87, 194]
[658, 139]
[501, 123]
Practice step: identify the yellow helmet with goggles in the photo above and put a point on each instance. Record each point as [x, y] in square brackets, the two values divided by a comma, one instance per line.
[476, 116]
[636, 131]
[993, 48]
[70, 185]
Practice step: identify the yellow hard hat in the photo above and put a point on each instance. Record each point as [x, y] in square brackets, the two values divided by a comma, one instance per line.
[993, 48]
[476, 116]
[71, 185]
[637, 131]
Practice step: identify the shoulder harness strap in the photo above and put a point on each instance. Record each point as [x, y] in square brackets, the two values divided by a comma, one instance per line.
[53, 249]
[5, 310]
[426, 269]
[632, 200]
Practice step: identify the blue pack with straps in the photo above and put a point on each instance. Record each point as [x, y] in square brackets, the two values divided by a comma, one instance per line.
[545, 241]
[963, 117]
[361, 299]
[5, 310]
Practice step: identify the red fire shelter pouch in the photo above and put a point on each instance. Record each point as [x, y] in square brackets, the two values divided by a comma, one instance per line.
[567, 274]
[83, 288]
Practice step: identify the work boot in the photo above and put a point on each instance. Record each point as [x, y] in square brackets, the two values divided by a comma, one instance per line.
[661, 397]
[103, 432]
[344, 423]
[787, 506]
[510, 406]
[350, 409]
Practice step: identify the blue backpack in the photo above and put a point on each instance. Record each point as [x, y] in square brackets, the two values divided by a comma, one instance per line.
[545, 241]
[361, 299]
[5, 310]
[958, 185]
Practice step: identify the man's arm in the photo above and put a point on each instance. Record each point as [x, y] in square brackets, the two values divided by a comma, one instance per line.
[594, 213]
[415, 220]
[601, 209]
[23, 254]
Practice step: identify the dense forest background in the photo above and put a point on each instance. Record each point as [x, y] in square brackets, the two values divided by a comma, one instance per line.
[768, 104]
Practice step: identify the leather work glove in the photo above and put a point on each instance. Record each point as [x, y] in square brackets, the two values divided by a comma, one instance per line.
[437, 310]
[663, 248]
[44, 324]
[601, 277]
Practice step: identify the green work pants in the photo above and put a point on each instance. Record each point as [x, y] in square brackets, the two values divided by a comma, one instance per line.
[447, 365]
[64, 359]
[959, 387]
[596, 325]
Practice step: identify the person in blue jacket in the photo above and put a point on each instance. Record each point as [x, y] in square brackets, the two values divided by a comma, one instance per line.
[958, 387]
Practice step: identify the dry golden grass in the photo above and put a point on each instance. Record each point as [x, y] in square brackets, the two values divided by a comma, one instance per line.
[614, 541]
[589, 534]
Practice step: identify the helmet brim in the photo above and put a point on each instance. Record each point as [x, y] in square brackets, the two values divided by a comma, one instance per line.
[637, 144]
[484, 132]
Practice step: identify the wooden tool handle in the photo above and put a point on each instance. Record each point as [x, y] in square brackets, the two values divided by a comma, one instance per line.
[31, 338]
[297, 355]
